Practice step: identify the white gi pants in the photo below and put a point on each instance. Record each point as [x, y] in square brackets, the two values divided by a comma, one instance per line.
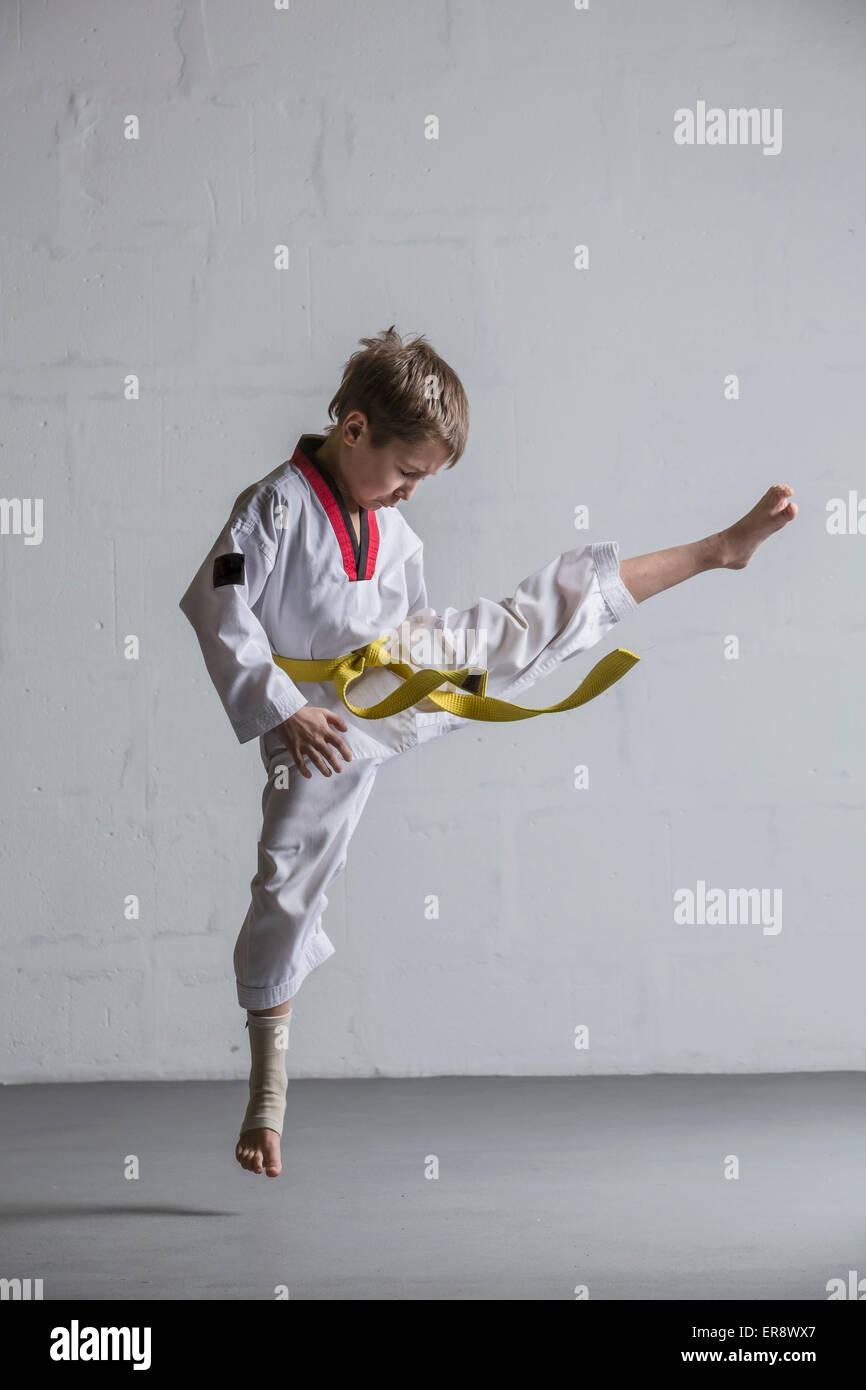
[307, 822]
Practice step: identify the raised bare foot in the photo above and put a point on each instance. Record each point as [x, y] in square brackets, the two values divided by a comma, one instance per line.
[258, 1150]
[739, 542]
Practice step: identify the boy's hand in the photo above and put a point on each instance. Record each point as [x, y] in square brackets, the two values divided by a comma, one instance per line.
[309, 733]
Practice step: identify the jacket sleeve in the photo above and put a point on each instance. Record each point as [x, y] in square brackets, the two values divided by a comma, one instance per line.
[256, 694]
[564, 608]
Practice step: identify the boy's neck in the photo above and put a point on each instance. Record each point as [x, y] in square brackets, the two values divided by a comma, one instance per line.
[325, 455]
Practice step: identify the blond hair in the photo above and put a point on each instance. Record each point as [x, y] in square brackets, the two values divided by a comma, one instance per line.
[406, 391]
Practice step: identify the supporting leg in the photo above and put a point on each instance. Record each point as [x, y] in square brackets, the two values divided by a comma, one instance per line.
[306, 827]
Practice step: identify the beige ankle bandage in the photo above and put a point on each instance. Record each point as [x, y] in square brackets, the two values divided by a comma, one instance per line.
[269, 1043]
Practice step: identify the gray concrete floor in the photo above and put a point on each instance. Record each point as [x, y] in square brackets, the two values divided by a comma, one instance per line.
[544, 1184]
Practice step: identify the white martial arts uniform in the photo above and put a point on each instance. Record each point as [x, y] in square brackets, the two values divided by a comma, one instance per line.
[287, 576]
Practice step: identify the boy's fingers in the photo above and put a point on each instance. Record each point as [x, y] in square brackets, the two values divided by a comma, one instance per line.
[335, 719]
[331, 757]
[341, 745]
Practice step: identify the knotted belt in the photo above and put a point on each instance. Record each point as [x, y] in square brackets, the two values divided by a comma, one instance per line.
[469, 702]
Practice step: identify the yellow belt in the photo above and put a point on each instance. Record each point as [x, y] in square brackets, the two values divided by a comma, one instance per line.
[470, 702]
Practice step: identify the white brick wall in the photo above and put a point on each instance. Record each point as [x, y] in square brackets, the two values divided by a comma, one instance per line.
[155, 257]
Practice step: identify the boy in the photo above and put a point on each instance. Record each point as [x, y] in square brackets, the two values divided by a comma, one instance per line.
[314, 562]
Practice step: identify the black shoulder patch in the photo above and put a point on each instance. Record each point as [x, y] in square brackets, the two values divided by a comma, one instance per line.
[228, 569]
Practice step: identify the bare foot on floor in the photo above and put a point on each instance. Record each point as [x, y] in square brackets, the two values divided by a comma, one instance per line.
[740, 541]
[258, 1150]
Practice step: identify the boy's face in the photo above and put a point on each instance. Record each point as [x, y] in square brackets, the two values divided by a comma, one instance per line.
[383, 477]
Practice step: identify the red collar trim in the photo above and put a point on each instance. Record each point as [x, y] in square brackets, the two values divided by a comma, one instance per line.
[329, 503]
[372, 544]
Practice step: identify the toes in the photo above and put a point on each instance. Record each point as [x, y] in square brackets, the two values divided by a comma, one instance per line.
[255, 1159]
[247, 1157]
